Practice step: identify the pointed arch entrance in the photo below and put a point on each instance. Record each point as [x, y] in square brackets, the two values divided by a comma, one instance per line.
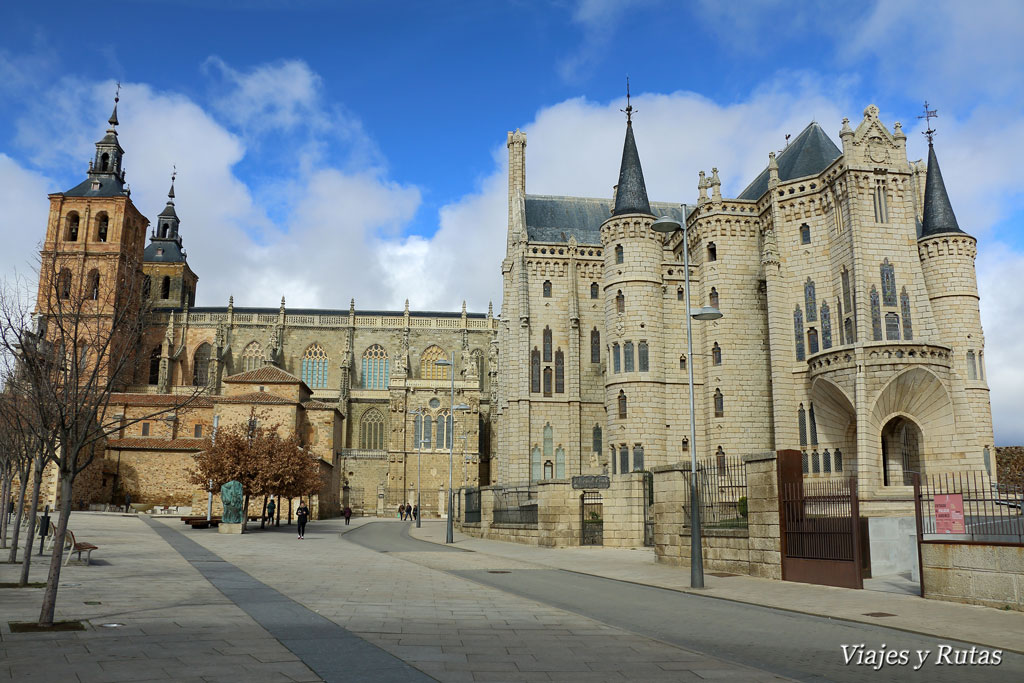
[901, 451]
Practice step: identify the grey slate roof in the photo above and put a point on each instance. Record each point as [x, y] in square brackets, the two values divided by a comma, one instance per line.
[631, 195]
[168, 211]
[172, 251]
[556, 219]
[810, 153]
[331, 311]
[110, 186]
[938, 212]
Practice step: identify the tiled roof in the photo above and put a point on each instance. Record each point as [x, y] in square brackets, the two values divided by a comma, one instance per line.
[319, 405]
[264, 397]
[810, 153]
[556, 219]
[160, 400]
[147, 444]
[267, 374]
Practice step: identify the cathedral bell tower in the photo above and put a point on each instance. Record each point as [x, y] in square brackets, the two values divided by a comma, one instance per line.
[170, 283]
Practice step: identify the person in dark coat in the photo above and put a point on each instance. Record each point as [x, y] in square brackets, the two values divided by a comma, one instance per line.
[348, 514]
[270, 510]
[415, 512]
[401, 511]
[302, 516]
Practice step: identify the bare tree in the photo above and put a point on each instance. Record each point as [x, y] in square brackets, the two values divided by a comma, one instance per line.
[79, 345]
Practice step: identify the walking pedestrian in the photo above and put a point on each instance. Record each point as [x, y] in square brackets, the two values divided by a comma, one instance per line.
[270, 510]
[415, 512]
[348, 514]
[127, 502]
[10, 510]
[301, 516]
[401, 511]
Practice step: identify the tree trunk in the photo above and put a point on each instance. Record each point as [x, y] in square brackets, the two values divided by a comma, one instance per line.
[5, 497]
[289, 512]
[278, 508]
[33, 513]
[245, 512]
[19, 512]
[53, 579]
[263, 515]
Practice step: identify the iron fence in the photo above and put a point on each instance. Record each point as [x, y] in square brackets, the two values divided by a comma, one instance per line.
[820, 519]
[472, 506]
[515, 505]
[969, 506]
[722, 492]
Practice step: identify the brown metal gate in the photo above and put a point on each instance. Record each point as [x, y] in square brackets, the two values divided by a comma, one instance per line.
[819, 524]
[591, 519]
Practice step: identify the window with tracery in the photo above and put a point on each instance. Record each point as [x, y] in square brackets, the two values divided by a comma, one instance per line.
[444, 430]
[810, 301]
[535, 370]
[798, 331]
[201, 365]
[643, 357]
[627, 354]
[888, 283]
[547, 344]
[376, 367]
[876, 315]
[314, 367]
[252, 356]
[826, 326]
[547, 380]
[892, 326]
[429, 369]
[812, 341]
[371, 430]
[595, 346]
[559, 372]
[908, 330]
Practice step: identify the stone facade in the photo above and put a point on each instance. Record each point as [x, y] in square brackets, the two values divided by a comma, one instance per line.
[850, 330]
[978, 574]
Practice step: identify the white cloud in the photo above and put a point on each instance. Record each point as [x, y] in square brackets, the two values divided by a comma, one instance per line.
[23, 220]
[1002, 315]
[598, 20]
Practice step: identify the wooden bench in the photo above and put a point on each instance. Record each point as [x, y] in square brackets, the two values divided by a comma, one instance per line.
[204, 523]
[72, 546]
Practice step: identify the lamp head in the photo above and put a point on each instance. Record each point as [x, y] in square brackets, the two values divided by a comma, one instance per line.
[443, 362]
[665, 224]
[706, 313]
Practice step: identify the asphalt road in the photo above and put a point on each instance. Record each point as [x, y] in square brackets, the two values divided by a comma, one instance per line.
[806, 648]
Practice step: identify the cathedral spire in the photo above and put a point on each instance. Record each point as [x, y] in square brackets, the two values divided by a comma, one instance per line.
[113, 115]
[938, 211]
[631, 195]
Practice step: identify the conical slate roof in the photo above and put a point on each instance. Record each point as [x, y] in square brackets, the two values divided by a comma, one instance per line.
[631, 196]
[809, 153]
[938, 212]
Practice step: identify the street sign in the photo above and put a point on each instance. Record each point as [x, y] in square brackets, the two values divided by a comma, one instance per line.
[591, 481]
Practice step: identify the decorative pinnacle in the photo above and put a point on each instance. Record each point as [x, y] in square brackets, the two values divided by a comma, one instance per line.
[117, 98]
[929, 114]
[628, 111]
[174, 174]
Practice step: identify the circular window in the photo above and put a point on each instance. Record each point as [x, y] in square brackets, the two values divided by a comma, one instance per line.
[435, 404]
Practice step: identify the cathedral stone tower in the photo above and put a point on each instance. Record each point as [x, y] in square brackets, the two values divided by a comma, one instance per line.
[169, 280]
[633, 306]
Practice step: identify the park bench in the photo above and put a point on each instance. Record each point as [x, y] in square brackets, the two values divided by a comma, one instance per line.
[203, 523]
[72, 546]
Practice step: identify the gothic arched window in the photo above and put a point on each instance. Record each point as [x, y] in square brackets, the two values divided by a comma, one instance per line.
[618, 253]
[908, 330]
[679, 294]
[627, 356]
[371, 430]
[594, 290]
[596, 435]
[535, 370]
[826, 462]
[892, 326]
[622, 404]
[104, 162]
[201, 365]
[810, 301]
[535, 471]
[876, 315]
[154, 366]
[559, 372]
[716, 354]
[712, 252]
[547, 289]
[71, 233]
[812, 341]
[837, 460]
[64, 284]
[888, 283]
[802, 420]
[826, 326]
[314, 367]
[616, 363]
[547, 344]
[429, 369]
[814, 426]
[102, 223]
[815, 463]
[682, 362]
[798, 331]
[595, 346]
[719, 403]
[444, 430]
[643, 357]
[375, 367]
[428, 431]
[638, 457]
[805, 234]
[252, 356]
[713, 298]
[165, 287]
[620, 302]
[547, 380]
[93, 289]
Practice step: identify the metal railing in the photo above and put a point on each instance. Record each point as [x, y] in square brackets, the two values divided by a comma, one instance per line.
[472, 506]
[364, 454]
[515, 505]
[722, 488]
[969, 506]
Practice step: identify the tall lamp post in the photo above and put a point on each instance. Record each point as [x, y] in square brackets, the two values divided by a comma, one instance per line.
[667, 225]
[444, 362]
[419, 458]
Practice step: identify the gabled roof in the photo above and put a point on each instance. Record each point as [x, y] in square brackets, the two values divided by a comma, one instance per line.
[172, 251]
[938, 212]
[809, 154]
[262, 397]
[320, 405]
[159, 400]
[148, 444]
[266, 374]
[109, 186]
[631, 195]
[556, 219]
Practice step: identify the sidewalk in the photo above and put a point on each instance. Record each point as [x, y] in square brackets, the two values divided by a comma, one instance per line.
[972, 623]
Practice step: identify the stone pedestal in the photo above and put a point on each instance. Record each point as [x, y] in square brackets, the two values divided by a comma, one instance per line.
[223, 528]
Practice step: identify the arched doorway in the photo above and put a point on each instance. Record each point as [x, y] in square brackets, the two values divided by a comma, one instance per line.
[901, 451]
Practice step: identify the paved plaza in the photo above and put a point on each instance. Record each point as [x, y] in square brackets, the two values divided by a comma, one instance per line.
[383, 601]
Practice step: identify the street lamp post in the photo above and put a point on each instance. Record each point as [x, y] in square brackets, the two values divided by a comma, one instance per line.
[419, 458]
[667, 225]
[444, 362]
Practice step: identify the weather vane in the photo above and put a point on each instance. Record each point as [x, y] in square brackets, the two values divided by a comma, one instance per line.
[629, 107]
[174, 172]
[929, 114]
[117, 95]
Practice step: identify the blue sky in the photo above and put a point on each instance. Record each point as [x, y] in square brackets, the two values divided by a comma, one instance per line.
[329, 150]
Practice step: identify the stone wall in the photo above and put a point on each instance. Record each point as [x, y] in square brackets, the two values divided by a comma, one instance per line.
[978, 574]
[755, 551]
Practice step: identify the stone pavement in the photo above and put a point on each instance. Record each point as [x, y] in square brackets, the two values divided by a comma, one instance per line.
[175, 625]
[972, 623]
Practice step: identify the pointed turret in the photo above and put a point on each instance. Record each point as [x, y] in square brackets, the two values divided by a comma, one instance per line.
[165, 243]
[631, 196]
[106, 173]
[938, 212]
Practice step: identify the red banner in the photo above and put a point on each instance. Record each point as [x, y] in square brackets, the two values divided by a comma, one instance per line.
[949, 513]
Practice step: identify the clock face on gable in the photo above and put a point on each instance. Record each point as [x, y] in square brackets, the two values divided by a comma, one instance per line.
[878, 151]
